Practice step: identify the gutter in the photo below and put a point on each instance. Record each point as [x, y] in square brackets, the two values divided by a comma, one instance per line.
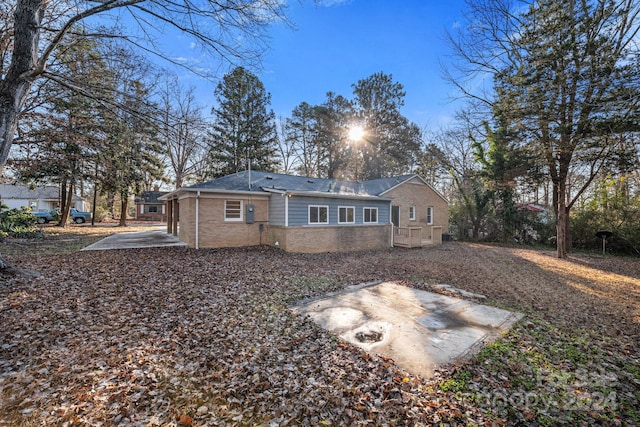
[197, 220]
[176, 193]
[322, 194]
[391, 221]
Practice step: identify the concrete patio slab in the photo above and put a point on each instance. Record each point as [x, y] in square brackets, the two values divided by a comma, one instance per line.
[143, 239]
[419, 330]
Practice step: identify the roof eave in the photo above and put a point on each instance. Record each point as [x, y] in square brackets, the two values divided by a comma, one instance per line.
[176, 193]
[337, 195]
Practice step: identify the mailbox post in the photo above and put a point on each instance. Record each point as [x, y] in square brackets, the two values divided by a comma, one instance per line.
[604, 235]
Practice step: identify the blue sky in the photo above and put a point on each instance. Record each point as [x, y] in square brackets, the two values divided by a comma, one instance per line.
[334, 46]
[335, 43]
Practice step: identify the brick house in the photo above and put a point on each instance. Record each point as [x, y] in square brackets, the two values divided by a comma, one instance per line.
[302, 214]
[149, 207]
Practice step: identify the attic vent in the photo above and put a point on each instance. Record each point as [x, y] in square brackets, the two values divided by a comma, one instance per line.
[268, 177]
[310, 181]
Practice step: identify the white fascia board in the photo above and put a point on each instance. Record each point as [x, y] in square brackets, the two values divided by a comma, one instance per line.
[335, 195]
[184, 192]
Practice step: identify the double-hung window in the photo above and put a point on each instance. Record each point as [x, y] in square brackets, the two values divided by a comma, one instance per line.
[233, 210]
[412, 213]
[430, 215]
[318, 214]
[346, 215]
[370, 215]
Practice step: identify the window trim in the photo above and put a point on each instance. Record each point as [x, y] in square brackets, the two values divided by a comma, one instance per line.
[412, 213]
[227, 219]
[319, 207]
[353, 214]
[430, 215]
[364, 217]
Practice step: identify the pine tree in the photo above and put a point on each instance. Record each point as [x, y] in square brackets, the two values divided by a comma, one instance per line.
[566, 75]
[333, 118]
[62, 135]
[301, 132]
[244, 129]
[391, 144]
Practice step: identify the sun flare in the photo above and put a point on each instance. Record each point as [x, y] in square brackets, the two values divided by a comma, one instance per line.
[356, 133]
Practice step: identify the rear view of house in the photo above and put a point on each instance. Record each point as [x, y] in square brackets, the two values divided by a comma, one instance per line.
[301, 214]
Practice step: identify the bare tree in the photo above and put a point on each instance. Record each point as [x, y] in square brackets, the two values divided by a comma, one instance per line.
[230, 31]
[182, 129]
[564, 75]
[286, 148]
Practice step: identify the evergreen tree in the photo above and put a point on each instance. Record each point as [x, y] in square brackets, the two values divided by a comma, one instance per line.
[130, 155]
[301, 132]
[501, 163]
[62, 136]
[333, 118]
[566, 73]
[244, 129]
[391, 144]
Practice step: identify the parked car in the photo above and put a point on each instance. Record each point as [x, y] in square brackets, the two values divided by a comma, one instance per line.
[76, 216]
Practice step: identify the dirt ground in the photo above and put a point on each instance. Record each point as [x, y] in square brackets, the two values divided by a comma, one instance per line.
[177, 336]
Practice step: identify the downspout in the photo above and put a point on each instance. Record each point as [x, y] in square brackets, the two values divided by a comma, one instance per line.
[286, 209]
[391, 221]
[197, 219]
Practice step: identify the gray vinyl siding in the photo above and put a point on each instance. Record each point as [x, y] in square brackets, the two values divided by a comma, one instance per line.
[299, 210]
[276, 209]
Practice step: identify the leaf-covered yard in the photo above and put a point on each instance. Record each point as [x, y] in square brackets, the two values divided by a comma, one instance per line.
[176, 336]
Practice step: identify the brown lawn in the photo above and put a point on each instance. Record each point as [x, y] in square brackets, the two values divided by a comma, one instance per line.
[176, 336]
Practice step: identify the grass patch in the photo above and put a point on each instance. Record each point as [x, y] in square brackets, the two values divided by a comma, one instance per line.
[307, 287]
[540, 374]
[56, 240]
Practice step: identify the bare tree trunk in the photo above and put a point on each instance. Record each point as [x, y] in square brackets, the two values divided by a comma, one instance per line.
[15, 85]
[64, 214]
[562, 223]
[123, 210]
[64, 206]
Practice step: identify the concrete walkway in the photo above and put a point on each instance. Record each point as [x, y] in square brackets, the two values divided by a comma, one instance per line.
[143, 239]
[419, 330]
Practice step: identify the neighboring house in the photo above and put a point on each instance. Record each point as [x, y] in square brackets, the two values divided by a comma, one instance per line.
[301, 214]
[149, 208]
[39, 199]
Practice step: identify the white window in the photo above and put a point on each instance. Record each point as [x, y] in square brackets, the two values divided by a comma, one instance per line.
[346, 215]
[412, 213]
[370, 215]
[318, 214]
[233, 210]
[430, 215]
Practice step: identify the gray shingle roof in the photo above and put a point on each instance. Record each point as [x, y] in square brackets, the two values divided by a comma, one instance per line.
[150, 197]
[267, 180]
[25, 192]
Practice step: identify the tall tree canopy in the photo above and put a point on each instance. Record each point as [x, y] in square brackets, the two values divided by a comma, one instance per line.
[244, 128]
[566, 77]
[32, 29]
[301, 131]
[391, 143]
[63, 133]
[182, 130]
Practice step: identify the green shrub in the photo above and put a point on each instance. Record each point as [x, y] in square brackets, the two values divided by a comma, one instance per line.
[18, 223]
[613, 207]
[101, 214]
